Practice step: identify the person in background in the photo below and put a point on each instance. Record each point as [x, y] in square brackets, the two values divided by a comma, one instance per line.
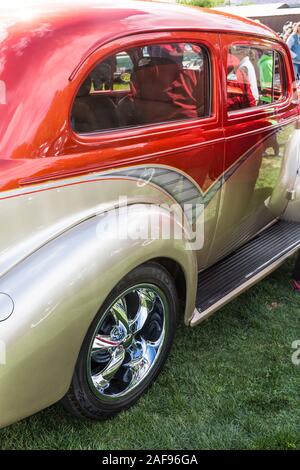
[247, 68]
[293, 43]
[287, 32]
[265, 67]
[287, 29]
[239, 94]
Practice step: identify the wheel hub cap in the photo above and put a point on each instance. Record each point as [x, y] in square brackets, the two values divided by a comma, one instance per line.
[127, 341]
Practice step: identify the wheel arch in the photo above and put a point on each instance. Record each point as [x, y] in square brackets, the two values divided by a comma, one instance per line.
[175, 269]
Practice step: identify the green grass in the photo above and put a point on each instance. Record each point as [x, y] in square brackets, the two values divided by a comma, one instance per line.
[229, 383]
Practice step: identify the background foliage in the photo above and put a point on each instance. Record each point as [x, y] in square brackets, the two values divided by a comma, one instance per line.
[201, 3]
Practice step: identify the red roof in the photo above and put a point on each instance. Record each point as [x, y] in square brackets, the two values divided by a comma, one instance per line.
[120, 17]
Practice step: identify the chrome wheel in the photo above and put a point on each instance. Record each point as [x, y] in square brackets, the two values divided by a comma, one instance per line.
[127, 341]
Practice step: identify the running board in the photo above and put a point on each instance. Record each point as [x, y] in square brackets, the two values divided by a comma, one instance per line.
[231, 276]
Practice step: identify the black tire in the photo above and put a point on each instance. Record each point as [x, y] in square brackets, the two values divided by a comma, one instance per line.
[81, 399]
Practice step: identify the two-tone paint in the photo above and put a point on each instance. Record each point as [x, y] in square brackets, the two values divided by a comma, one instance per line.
[57, 187]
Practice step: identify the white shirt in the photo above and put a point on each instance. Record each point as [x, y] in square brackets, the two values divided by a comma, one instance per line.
[246, 62]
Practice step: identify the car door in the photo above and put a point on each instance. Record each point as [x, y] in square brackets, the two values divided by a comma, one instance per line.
[260, 116]
[185, 151]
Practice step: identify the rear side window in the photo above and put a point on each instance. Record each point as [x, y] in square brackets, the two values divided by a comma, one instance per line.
[255, 77]
[144, 85]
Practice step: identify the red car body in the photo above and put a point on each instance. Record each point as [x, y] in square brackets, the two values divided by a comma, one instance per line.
[243, 165]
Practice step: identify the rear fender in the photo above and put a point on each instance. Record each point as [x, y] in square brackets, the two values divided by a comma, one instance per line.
[58, 290]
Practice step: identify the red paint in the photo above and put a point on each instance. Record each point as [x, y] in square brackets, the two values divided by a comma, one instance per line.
[38, 58]
[296, 286]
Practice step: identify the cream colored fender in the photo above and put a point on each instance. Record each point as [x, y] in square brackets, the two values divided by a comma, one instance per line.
[292, 212]
[56, 293]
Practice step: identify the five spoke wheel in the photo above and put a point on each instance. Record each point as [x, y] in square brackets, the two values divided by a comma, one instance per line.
[126, 344]
[127, 341]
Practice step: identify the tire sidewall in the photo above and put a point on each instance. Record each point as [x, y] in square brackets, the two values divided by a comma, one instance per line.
[94, 407]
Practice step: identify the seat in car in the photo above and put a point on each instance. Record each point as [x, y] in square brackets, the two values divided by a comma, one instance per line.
[162, 90]
[92, 112]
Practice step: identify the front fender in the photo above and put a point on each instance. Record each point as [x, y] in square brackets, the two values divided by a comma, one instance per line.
[57, 292]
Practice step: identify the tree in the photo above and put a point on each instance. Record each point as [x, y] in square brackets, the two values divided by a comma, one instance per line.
[201, 3]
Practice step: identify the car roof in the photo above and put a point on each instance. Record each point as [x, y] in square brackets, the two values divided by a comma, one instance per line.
[128, 16]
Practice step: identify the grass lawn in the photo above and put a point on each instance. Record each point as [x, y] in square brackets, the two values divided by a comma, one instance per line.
[229, 383]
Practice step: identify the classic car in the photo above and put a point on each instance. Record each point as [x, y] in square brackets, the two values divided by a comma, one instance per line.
[127, 206]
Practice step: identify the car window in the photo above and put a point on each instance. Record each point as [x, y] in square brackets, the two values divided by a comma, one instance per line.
[144, 85]
[255, 77]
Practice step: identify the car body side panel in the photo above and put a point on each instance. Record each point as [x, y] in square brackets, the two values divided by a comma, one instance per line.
[260, 160]
[49, 209]
[52, 208]
[292, 212]
[255, 194]
[195, 148]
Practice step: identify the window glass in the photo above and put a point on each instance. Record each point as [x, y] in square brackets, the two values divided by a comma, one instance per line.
[254, 77]
[144, 85]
